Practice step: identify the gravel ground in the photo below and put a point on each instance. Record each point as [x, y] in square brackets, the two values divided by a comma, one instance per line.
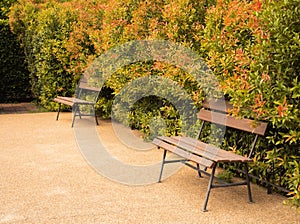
[45, 179]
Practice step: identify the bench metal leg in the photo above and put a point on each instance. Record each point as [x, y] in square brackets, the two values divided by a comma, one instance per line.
[248, 183]
[97, 123]
[209, 186]
[79, 114]
[162, 165]
[57, 116]
[199, 170]
[74, 115]
[78, 110]
[94, 111]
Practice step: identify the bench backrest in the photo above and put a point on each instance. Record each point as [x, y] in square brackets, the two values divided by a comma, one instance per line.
[217, 105]
[86, 91]
[84, 85]
[244, 124]
[215, 112]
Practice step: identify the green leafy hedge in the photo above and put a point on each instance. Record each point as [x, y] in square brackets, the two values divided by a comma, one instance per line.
[253, 47]
[14, 76]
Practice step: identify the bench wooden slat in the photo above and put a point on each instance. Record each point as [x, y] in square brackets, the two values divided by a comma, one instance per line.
[208, 151]
[198, 150]
[230, 156]
[85, 86]
[217, 104]
[247, 125]
[64, 100]
[71, 100]
[183, 153]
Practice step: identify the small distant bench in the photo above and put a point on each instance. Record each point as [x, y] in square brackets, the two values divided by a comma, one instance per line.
[86, 96]
[200, 156]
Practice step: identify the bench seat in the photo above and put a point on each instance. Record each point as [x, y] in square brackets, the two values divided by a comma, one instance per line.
[201, 149]
[70, 101]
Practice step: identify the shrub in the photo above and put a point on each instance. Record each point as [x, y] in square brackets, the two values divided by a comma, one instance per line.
[44, 30]
[254, 49]
[14, 85]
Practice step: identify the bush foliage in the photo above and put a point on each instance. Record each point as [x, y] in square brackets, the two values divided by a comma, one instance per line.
[15, 81]
[253, 48]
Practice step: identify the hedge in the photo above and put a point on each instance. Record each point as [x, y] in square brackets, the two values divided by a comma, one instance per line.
[14, 76]
[253, 48]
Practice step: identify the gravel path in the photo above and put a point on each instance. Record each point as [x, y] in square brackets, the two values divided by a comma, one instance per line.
[45, 179]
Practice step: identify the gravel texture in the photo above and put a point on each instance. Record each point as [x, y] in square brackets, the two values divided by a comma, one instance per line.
[45, 179]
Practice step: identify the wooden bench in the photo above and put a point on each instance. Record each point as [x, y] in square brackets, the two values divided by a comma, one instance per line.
[200, 156]
[86, 95]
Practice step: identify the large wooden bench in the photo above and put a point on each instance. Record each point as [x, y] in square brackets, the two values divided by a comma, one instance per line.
[201, 156]
[86, 96]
